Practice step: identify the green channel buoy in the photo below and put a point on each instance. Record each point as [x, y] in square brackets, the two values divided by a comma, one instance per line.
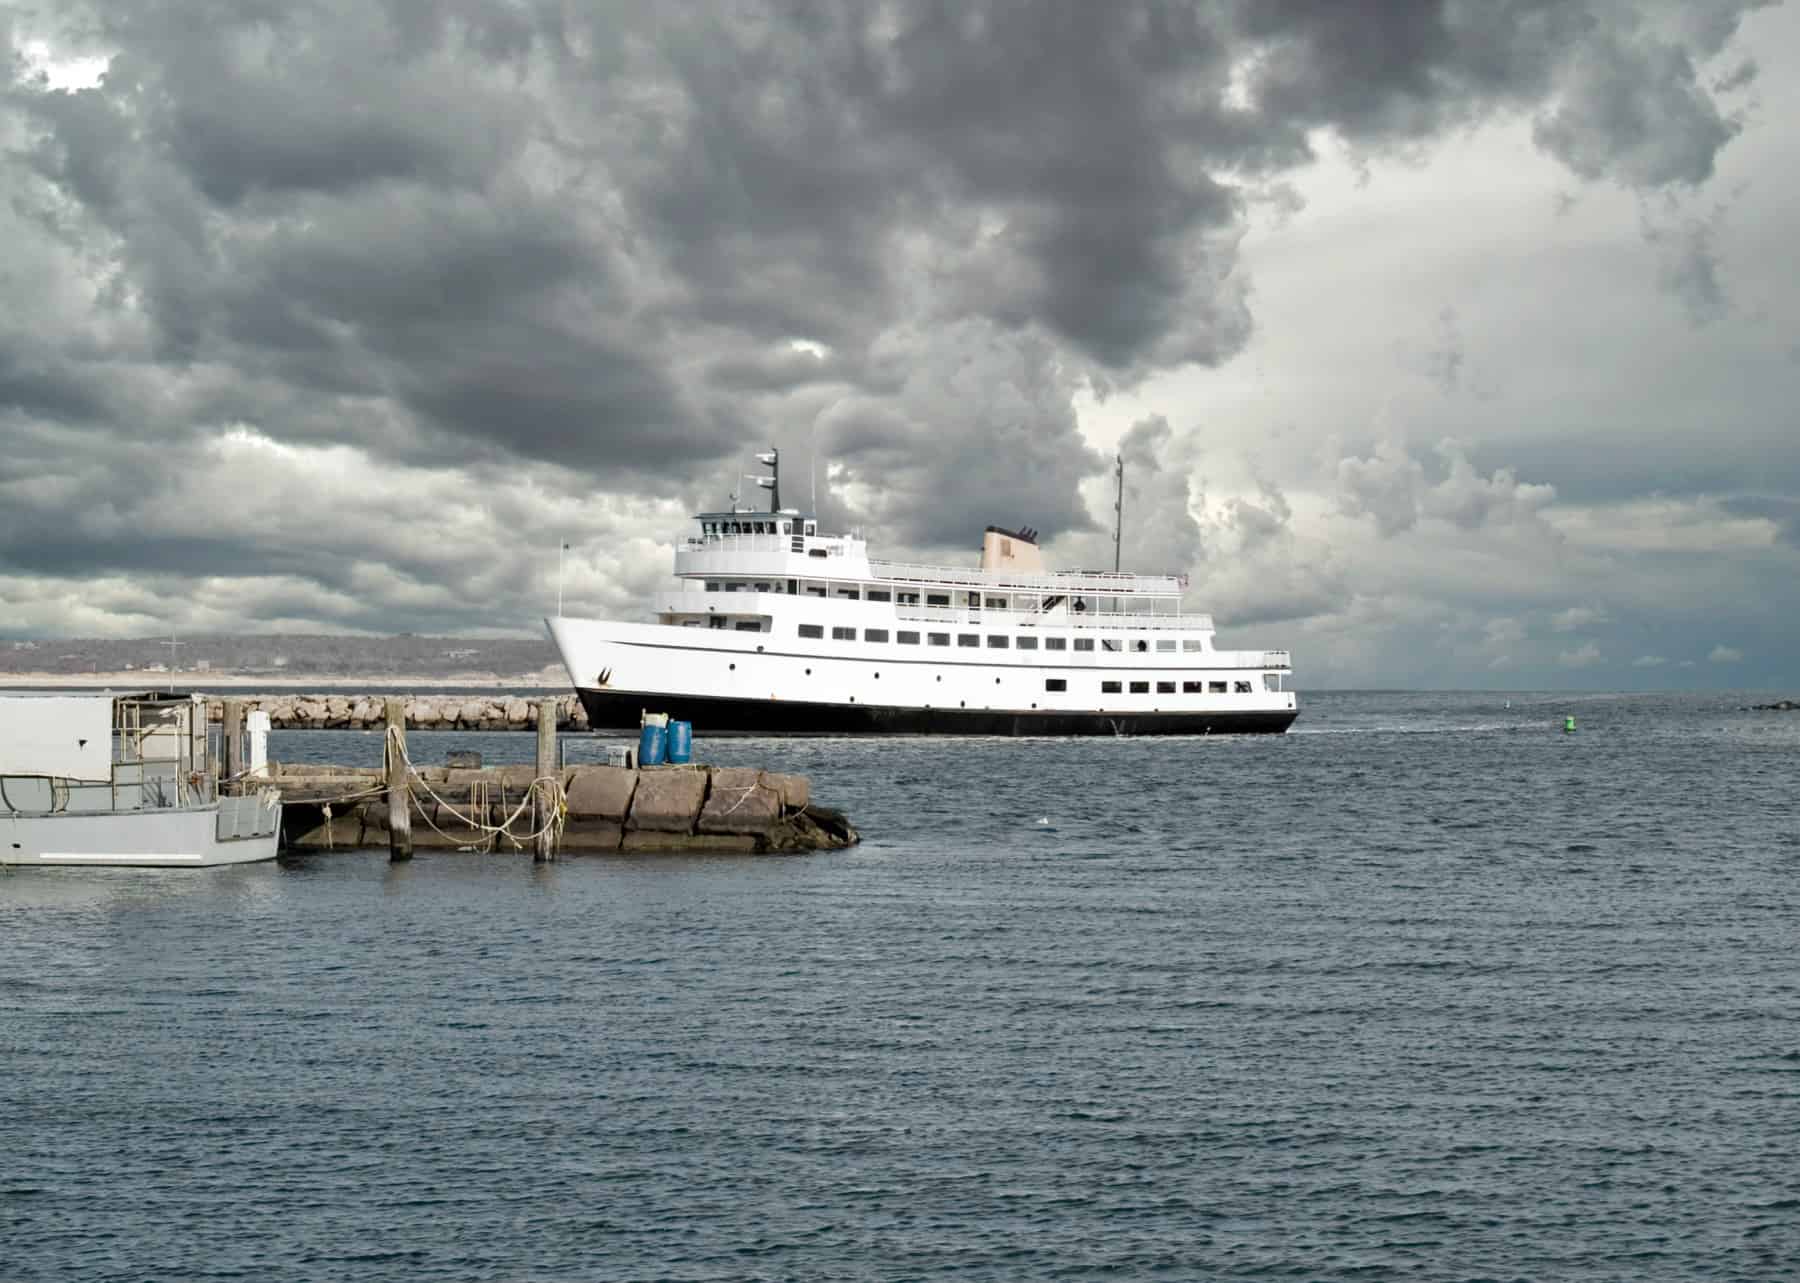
[1568, 726]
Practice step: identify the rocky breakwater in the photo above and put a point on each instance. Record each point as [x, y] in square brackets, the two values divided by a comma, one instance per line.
[666, 809]
[423, 712]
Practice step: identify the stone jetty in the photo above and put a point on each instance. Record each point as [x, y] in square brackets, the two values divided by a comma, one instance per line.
[603, 809]
[423, 712]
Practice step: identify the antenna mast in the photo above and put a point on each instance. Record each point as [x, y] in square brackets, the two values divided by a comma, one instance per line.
[772, 483]
[1118, 509]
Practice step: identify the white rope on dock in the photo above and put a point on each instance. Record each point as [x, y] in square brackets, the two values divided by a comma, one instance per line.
[549, 787]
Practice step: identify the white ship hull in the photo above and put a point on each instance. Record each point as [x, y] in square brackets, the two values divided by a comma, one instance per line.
[185, 838]
[767, 682]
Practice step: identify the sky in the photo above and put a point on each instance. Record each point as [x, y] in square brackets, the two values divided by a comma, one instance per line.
[1445, 344]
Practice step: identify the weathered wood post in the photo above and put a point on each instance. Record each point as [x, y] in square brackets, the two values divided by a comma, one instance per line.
[399, 799]
[543, 810]
[231, 739]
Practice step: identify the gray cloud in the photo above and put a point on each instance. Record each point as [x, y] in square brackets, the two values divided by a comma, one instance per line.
[609, 247]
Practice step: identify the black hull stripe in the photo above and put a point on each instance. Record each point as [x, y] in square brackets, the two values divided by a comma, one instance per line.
[608, 709]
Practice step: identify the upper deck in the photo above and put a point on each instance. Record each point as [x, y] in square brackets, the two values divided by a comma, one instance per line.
[845, 557]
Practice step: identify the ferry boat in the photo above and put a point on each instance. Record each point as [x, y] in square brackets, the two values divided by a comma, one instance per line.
[777, 628]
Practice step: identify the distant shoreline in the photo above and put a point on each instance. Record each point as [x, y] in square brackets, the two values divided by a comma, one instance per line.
[139, 679]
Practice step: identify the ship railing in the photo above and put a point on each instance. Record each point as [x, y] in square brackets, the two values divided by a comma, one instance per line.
[1094, 582]
[1081, 620]
[829, 545]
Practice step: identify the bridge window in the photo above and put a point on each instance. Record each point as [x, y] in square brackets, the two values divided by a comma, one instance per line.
[878, 594]
[748, 626]
[1056, 643]
[909, 599]
[875, 634]
[995, 603]
[937, 599]
[712, 585]
[849, 593]
[906, 638]
[812, 630]
[1057, 684]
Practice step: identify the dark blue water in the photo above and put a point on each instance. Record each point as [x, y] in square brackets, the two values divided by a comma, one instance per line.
[1423, 990]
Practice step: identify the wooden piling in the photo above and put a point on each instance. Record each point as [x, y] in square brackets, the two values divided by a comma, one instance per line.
[231, 741]
[544, 808]
[399, 801]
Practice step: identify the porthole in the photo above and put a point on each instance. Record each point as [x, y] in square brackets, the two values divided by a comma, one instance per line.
[962, 703]
[940, 677]
[734, 668]
[809, 672]
[877, 676]
[996, 681]
[759, 650]
[853, 699]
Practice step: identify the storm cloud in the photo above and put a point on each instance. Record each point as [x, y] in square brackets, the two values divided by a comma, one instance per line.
[360, 306]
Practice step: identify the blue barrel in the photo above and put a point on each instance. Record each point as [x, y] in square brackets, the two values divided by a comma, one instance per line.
[653, 742]
[681, 741]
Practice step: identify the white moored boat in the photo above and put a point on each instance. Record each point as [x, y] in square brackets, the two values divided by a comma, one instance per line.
[777, 628]
[98, 780]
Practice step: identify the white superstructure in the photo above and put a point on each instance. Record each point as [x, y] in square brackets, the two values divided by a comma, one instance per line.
[775, 627]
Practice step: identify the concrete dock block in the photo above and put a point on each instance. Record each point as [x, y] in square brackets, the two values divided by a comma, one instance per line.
[667, 801]
[601, 792]
[739, 802]
[653, 843]
[795, 790]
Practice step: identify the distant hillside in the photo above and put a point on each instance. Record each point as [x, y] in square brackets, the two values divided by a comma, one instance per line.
[284, 658]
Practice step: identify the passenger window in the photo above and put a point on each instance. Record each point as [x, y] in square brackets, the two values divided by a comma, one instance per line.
[1056, 684]
[1056, 643]
[1165, 643]
[1027, 643]
[877, 594]
[843, 634]
[1165, 688]
[1243, 688]
[1109, 643]
[812, 630]
[1190, 644]
[1216, 688]
[875, 634]
[1084, 643]
[906, 639]
[1109, 688]
[1193, 688]
[996, 642]
[1140, 688]
[939, 639]
[968, 639]
[937, 599]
